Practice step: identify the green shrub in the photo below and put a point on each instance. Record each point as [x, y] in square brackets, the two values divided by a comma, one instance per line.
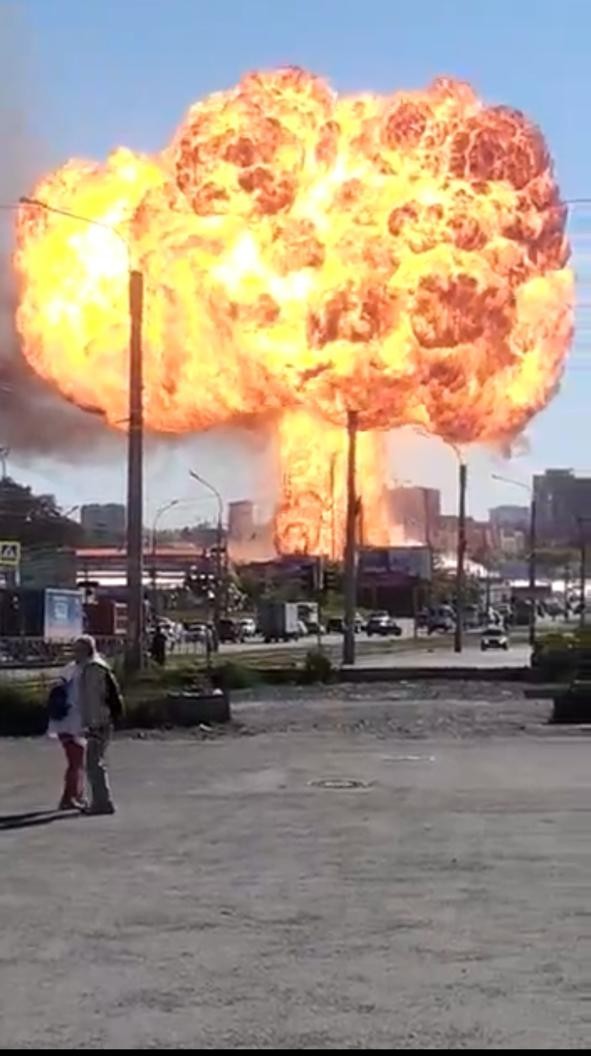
[317, 667]
[554, 657]
[22, 710]
[236, 676]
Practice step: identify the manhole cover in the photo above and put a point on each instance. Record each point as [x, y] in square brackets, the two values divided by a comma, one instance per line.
[409, 758]
[339, 783]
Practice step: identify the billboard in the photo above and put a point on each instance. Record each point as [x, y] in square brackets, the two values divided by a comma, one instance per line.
[395, 563]
[63, 614]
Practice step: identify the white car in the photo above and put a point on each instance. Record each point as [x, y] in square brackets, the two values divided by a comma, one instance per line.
[249, 626]
[494, 638]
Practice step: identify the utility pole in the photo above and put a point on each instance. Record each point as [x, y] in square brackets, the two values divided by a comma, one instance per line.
[350, 544]
[135, 541]
[460, 555]
[532, 570]
[583, 581]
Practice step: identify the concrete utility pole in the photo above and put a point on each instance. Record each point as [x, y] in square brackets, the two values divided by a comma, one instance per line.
[461, 553]
[351, 544]
[135, 531]
[532, 570]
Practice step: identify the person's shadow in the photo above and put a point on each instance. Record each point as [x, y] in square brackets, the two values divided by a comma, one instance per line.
[34, 817]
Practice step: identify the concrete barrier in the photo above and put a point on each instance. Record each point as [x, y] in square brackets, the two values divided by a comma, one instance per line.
[189, 709]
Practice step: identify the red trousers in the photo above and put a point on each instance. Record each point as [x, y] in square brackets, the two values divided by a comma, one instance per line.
[74, 776]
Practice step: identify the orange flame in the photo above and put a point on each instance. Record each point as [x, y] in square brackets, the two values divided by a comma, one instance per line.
[310, 518]
[402, 256]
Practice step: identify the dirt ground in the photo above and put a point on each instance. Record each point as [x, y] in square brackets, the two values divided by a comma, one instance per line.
[396, 865]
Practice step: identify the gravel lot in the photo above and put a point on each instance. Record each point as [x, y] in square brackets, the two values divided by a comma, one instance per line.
[245, 896]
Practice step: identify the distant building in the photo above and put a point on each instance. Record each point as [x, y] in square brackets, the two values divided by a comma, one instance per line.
[416, 512]
[563, 507]
[509, 517]
[479, 542]
[104, 523]
[509, 527]
[241, 526]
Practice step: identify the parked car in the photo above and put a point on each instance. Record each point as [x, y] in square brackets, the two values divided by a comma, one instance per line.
[383, 624]
[494, 638]
[336, 624]
[195, 632]
[249, 627]
[440, 625]
[230, 630]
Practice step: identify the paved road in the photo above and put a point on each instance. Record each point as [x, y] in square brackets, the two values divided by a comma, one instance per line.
[471, 656]
[232, 902]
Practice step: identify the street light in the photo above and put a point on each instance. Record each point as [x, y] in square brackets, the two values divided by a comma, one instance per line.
[583, 580]
[135, 597]
[159, 513]
[218, 570]
[531, 547]
[461, 537]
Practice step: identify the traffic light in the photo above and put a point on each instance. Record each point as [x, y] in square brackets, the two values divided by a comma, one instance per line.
[330, 578]
[307, 578]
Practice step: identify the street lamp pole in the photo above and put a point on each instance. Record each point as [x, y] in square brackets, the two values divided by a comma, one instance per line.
[583, 573]
[217, 611]
[532, 546]
[461, 551]
[159, 512]
[135, 543]
[461, 537]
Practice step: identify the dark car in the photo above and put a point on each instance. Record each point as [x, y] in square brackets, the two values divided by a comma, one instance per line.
[336, 625]
[383, 624]
[440, 625]
[231, 630]
[195, 632]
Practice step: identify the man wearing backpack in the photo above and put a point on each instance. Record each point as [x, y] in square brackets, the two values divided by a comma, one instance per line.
[100, 705]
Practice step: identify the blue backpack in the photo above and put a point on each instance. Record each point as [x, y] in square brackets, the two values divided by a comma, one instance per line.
[57, 702]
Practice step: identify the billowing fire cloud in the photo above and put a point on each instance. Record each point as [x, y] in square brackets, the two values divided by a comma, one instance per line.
[402, 256]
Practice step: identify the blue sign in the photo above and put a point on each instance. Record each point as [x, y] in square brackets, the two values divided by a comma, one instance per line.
[63, 614]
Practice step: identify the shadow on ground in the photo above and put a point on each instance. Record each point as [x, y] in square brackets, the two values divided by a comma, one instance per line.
[30, 818]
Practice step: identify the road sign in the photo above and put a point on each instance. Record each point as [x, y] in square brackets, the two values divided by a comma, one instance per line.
[10, 553]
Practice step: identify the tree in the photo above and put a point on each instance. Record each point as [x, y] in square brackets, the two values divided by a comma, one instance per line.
[34, 520]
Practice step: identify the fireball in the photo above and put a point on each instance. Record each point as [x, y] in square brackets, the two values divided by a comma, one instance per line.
[305, 255]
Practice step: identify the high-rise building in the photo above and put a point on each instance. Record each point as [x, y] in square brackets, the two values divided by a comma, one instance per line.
[416, 511]
[241, 526]
[563, 507]
[104, 523]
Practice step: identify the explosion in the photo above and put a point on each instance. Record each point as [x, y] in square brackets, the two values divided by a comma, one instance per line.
[305, 255]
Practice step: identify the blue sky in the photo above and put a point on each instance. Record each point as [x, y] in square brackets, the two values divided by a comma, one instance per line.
[92, 75]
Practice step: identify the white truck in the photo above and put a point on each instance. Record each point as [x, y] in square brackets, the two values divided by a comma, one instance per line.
[278, 621]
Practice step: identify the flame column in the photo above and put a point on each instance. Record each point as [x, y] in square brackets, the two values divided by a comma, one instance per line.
[135, 541]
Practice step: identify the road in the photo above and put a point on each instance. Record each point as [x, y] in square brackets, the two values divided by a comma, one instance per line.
[246, 896]
[471, 656]
[371, 652]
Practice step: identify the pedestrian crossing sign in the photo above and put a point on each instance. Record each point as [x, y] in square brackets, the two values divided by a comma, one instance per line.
[10, 554]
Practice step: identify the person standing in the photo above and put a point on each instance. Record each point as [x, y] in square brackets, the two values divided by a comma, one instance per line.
[97, 690]
[65, 724]
[158, 647]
